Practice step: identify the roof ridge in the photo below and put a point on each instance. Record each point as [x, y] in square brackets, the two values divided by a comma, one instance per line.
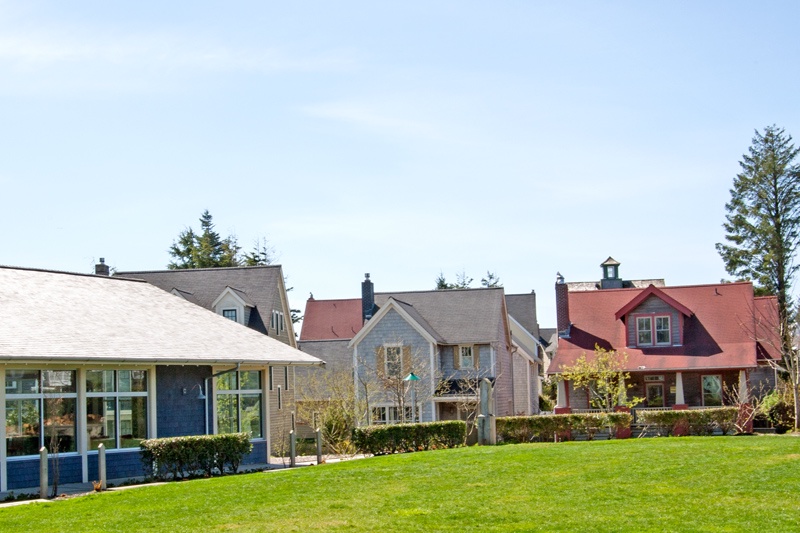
[68, 273]
[213, 269]
[443, 291]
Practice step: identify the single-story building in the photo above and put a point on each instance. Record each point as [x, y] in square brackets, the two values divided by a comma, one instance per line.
[89, 360]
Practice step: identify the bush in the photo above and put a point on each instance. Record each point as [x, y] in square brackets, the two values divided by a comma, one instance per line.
[182, 457]
[781, 415]
[696, 421]
[550, 427]
[402, 438]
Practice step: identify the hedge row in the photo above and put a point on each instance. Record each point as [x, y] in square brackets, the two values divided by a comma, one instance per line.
[549, 427]
[196, 455]
[693, 421]
[402, 438]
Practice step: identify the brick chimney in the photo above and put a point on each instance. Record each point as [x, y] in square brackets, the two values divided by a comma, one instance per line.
[562, 307]
[101, 268]
[367, 298]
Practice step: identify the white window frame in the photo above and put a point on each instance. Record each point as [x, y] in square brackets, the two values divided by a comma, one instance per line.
[116, 395]
[656, 330]
[235, 316]
[640, 330]
[41, 397]
[238, 391]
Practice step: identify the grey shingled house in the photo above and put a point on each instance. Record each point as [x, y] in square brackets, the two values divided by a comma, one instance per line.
[89, 360]
[252, 296]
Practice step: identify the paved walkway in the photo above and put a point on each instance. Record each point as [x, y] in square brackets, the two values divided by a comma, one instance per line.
[69, 490]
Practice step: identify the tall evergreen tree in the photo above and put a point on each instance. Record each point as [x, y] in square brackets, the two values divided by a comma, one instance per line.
[204, 250]
[763, 231]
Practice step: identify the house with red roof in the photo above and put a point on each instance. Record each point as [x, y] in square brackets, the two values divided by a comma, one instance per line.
[685, 347]
[449, 339]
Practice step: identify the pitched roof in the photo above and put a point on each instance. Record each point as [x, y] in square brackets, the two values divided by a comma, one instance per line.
[58, 316]
[450, 316]
[256, 285]
[331, 319]
[523, 308]
[720, 333]
[456, 315]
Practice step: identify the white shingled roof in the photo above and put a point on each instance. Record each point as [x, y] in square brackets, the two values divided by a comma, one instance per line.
[59, 316]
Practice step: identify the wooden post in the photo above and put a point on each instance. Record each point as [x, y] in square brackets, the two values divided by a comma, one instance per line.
[319, 446]
[43, 472]
[292, 448]
[101, 466]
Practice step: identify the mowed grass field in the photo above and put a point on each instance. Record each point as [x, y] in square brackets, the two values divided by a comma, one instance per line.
[660, 484]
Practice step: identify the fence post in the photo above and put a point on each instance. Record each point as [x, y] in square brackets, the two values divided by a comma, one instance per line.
[319, 446]
[101, 466]
[292, 448]
[43, 472]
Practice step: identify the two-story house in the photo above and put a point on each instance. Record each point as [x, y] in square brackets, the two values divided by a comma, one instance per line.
[251, 296]
[684, 346]
[449, 339]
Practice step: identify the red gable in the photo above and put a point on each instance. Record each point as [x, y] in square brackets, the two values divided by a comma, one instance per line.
[719, 328]
[331, 319]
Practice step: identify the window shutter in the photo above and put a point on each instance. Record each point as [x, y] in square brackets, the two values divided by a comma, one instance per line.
[457, 357]
[406, 360]
[380, 361]
[476, 356]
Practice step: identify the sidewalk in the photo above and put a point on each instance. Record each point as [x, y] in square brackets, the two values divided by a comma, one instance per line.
[70, 490]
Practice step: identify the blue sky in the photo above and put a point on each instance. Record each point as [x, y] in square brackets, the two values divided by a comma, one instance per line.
[401, 139]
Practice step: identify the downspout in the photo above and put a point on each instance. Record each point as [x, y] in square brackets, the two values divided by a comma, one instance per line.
[205, 396]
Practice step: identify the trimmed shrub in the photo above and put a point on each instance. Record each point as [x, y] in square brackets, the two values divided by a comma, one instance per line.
[552, 427]
[182, 457]
[403, 438]
[698, 421]
[781, 414]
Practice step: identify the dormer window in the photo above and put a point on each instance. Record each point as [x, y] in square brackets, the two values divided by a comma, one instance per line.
[611, 272]
[651, 327]
[277, 322]
[230, 314]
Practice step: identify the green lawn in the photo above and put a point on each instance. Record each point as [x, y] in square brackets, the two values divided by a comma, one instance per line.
[660, 484]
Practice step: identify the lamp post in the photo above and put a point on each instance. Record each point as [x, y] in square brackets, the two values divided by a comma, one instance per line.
[413, 378]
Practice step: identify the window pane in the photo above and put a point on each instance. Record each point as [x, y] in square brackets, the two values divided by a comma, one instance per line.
[227, 413]
[133, 380]
[250, 380]
[466, 357]
[22, 427]
[227, 381]
[393, 360]
[132, 421]
[712, 390]
[101, 422]
[22, 381]
[662, 330]
[58, 381]
[644, 333]
[100, 381]
[59, 424]
[251, 414]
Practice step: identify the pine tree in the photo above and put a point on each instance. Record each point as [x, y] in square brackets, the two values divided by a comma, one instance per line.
[763, 229]
[204, 250]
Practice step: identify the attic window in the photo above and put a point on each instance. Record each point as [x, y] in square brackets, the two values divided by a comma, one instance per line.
[230, 314]
[653, 327]
[277, 322]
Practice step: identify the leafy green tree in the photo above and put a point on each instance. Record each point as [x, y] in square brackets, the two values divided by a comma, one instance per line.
[602, 377]
[763, 233]
[206, 249]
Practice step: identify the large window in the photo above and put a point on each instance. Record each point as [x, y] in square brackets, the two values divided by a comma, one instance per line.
[40, 411]
[712, 390]
[116, 408]
[389, 415]
[654, 394]
[239, 403]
